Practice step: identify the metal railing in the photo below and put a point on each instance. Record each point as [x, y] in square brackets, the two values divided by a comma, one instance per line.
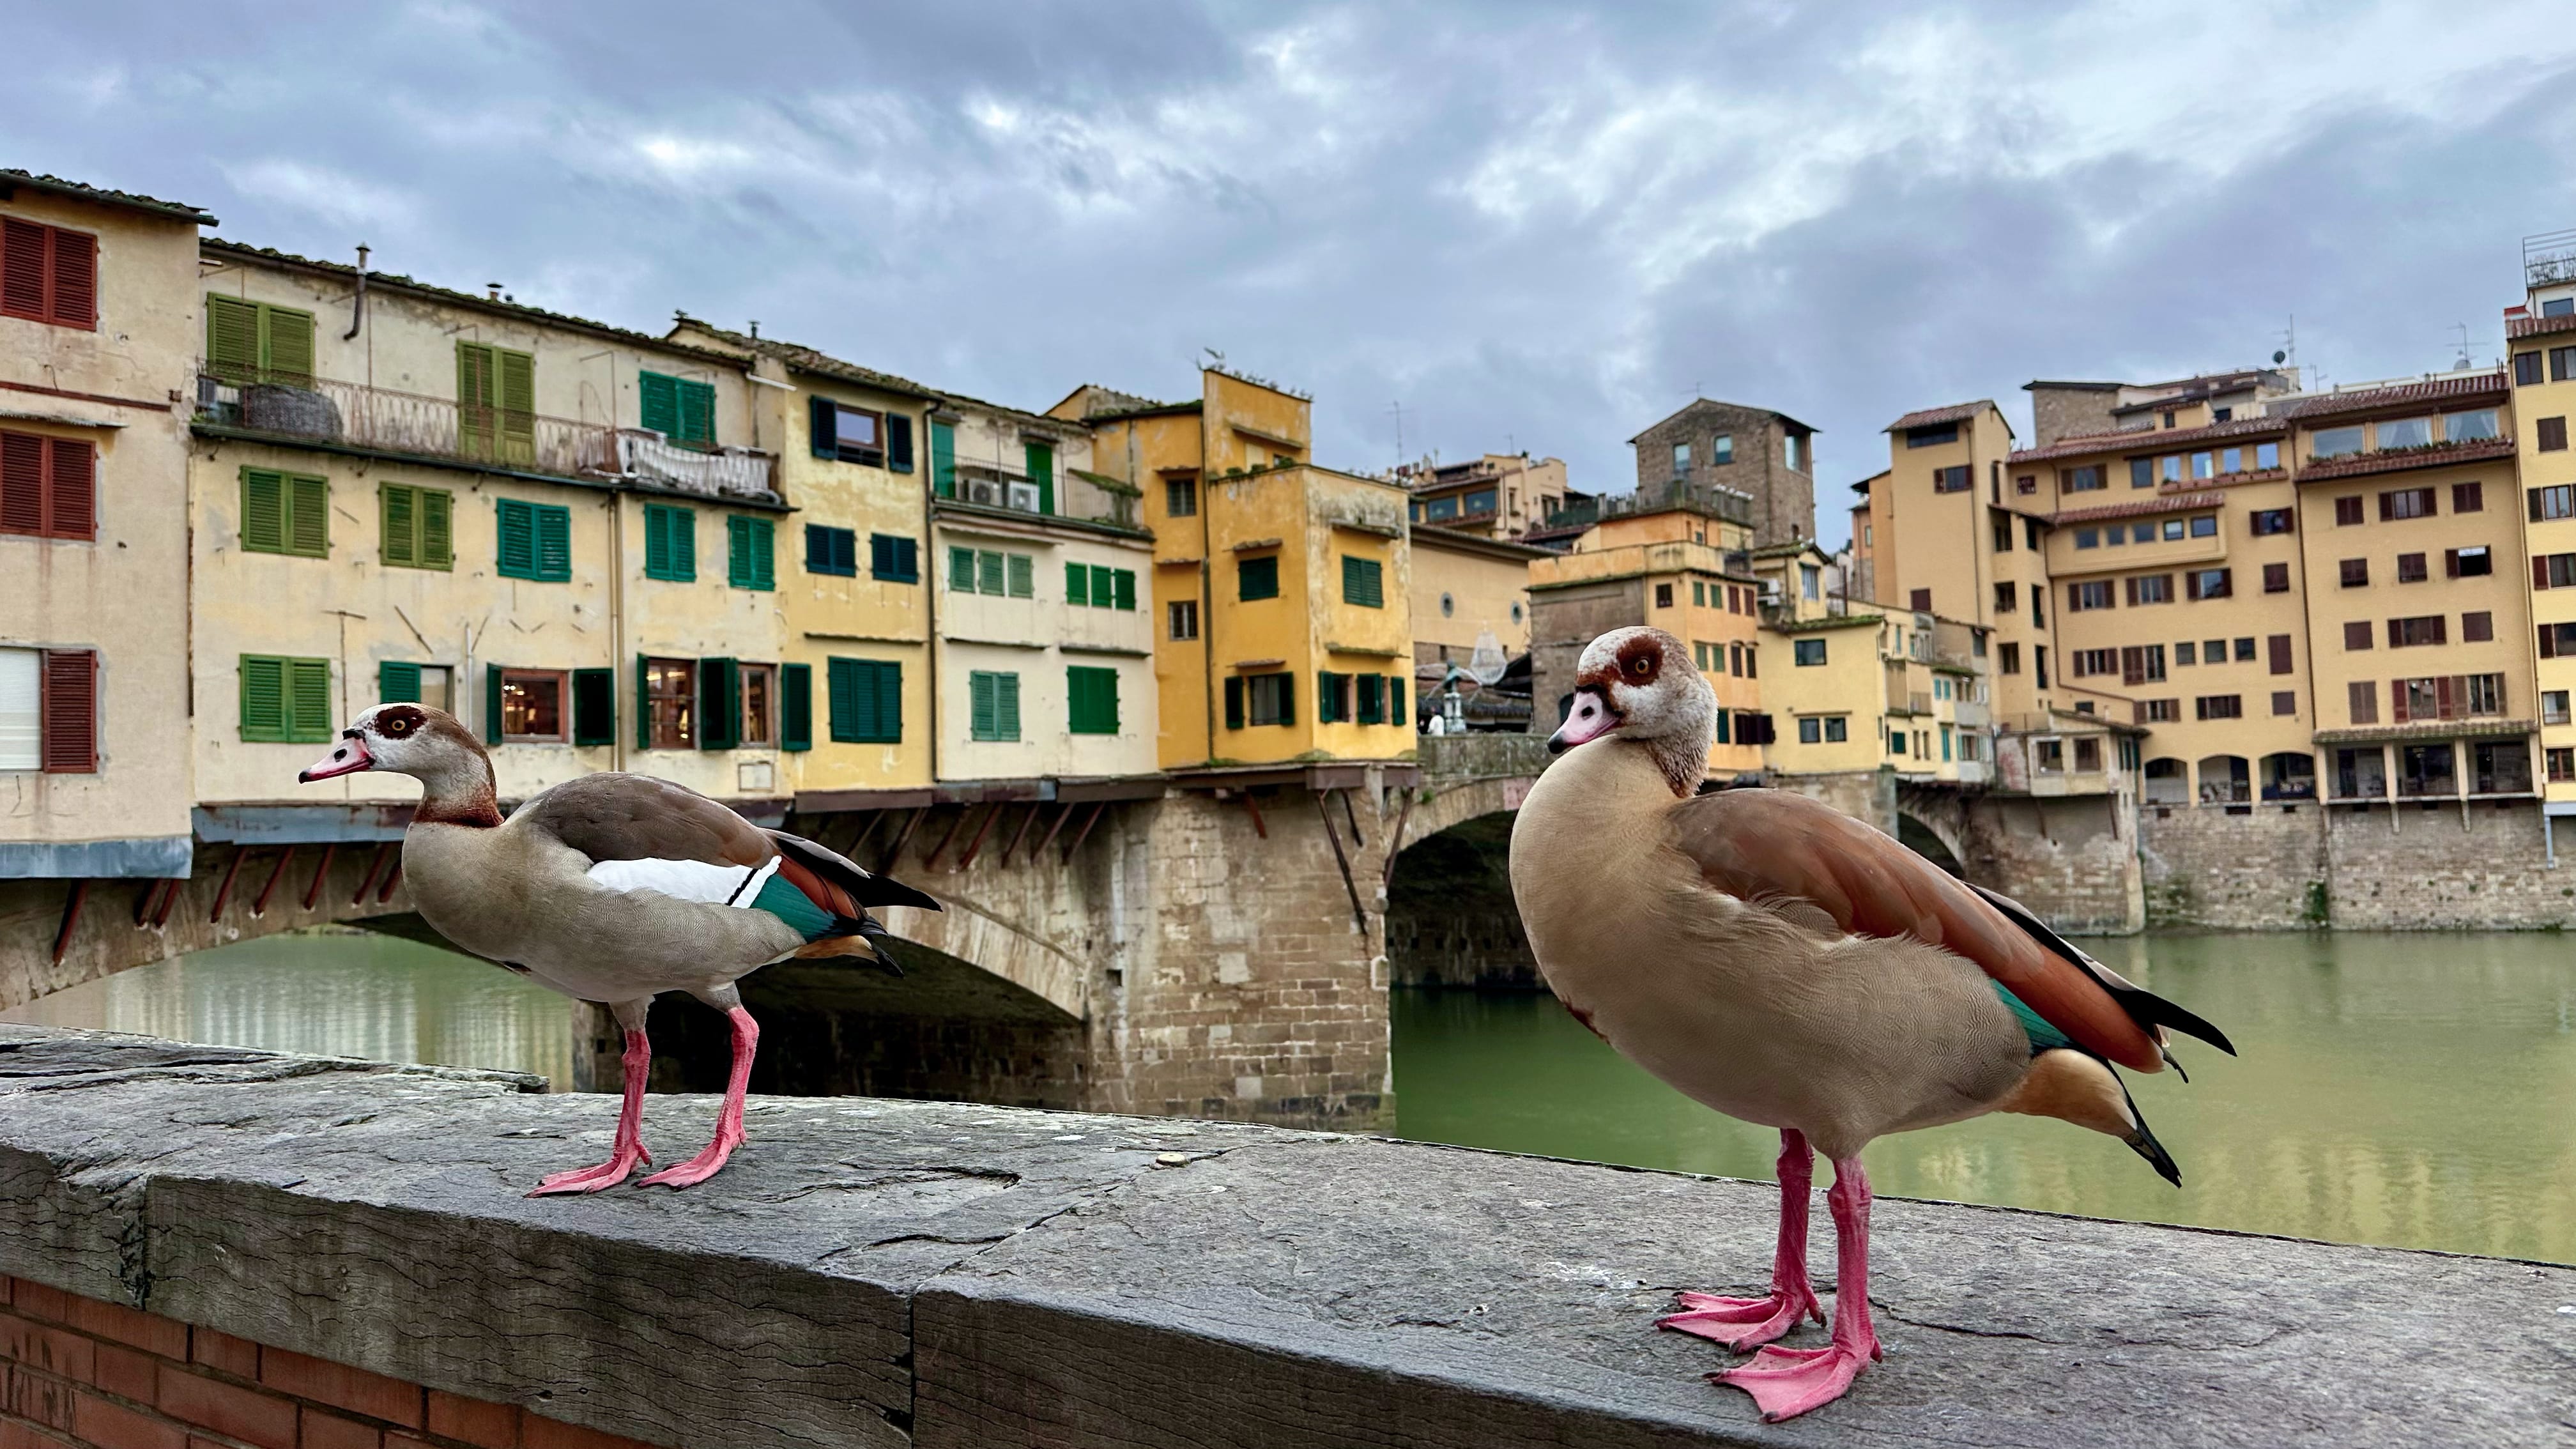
[1707, 498]
[2549, 258]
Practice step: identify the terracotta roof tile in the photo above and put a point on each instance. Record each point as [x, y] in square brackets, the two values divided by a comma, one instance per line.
[2152, 440]
[36, 181]
[1934, 417]
[821, 364]
[2487, 385]
[2139, 507]
[2439, 455]
[2528, 326]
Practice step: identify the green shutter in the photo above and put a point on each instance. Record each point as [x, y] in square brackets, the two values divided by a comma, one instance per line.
[232, 339]
[286, 351]
[898, 432]
[1395, 710]
[719, 704]
[308, 700]
[1077, 583]
[397, 682]
[980, 708]
[684, 544]
[1091, 698]
[943, 460]
[1287, 699]
[492, 704]
[1006, 706]
[821, 432]
[1234, 702]
[670, 543]
[263, 510]
[594, 706]
[643, 704]
[398, 524]
[1123, 585]
[518, 390]
[1257, 578]
[1041, 461]
[474, 399]
[889, 688]
[961, 570]
[697, 414]
[1363, 582]
[1372, 700]
[1023, 570]
[796, 706]
[263, 697]
[1325, 696]
[437, 530]
[554, 543]
[658, 404]
[308, 516]
[988, 572]
[518, 535]
[840, 699]
[751, 552]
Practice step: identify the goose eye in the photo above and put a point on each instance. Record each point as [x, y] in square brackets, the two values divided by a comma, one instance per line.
[1637, 667]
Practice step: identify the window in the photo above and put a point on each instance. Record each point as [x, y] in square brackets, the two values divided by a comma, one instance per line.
[415, 526]
[2405, 433]
[286, 700]
[1932, 436]
[2554, 502]
[1921, 600]
[2562, 363]
[2335, 442]
[1810, 582]
[2187, 652]
[2362, 698]
[2416, 631]
[2477, 627]
[2172, 529]
[2142, 472]
[2562, 765]
[2008, 657]
[669, 718]
[2084, 597]
[1734, 659]
[993, 705]
[1896, 742]
[48, 486]
[1182, 618]
[1699, 597]
[2550, 434]
[528, 704]
[860, 435]
[2169, 468]
[2142, 664]
[535, 541]
[2276, 578]
[1099, 586]
[2411, 568]
[1808, 652]
[2347, 511]
[2354, 572]
[2245, 649]
[2088, 754]
[943, 459]
[2475, 426]
[2557, 640]
[252, 342]
[2205, 526]
[1950, 480]
[2209, 583]
[398, 682]
[2357, 634]
[2091, 662]
[285, 513]
[1721, 449]
[2285, 702]
[2159, 711]
[2218, 706]
[2151, 589]
[2269, 521]
[827, 550]
[49, 710]
[2007, 597]
[2553, 571]
[680, 410]
[1091, 697]
[2145, 533]
[990, 571]
[751, 552]
[1790, 448]
[1441, 510]
[2399, 503]
[2277, 648]
[2203, 466]
[1181, 497]
[2026, 484]
[496, 403]
[757, 684]
[48, 274]
[2526, 373]
[671, 543]
[2553, 706]
[2087, 538]
[2030, 534]
[894, 558]
[1260, 699]
[2082, 480]
[1681, 458]
[1258, 578]
[2267, 455]
[1663, 596]
[2500, 767]
[1363, 582]
[1811, 730]
[865, 700]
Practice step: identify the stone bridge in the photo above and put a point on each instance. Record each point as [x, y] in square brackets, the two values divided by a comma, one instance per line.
[215, 1246]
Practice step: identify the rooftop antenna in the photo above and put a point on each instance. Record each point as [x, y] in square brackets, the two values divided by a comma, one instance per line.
[2464, 364]
[2288, 351]
[1397, 408]
[755, 329]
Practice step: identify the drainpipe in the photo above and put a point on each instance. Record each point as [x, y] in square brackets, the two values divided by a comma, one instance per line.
[930, 593]
[617, 661]
[358, 310]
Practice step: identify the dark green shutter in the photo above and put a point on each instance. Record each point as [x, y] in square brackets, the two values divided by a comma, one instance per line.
[1372, 699]
[1234, 702]
[979, 705]
[594, 706]
[898, 443]
[308, 516]
[1091, 700]
[1041, 461]
[397, 682]
[697, 403]
[796, 706]
[1363, 582]
[643, 704]
[943, 460]
[398, 524]
[437, 529]
[1023, 571]
[1395, 710]
[719, 704]
[659, 404]
[263, 510]
[554, 544]
[1006, 705]
[1077, 583]
[988, 572]
[263, 697]
[518, 533]
[308, 700]
[670, 542]
[492, 704]
[961, 570]
[1123, 584]
[657, 539]
[752, 552]
[1288, 699]
[841, 698]
[1325, 696]
[821, 428]
[1257, 578]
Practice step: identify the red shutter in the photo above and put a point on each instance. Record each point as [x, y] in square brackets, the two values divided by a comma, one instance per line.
[22, 270]
[72, 497]
[2446, 700]
[70, 712]
[2540, 571]
[2280, 647]
[2397, 701]
[75, 279]
[22, 483]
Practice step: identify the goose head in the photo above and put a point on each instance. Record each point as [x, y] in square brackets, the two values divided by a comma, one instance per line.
[409, 739]
[1638, 684]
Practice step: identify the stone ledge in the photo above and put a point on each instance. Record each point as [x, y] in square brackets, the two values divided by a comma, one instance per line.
[883, 1272]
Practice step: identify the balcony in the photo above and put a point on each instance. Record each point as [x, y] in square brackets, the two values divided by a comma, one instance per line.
[383, 420]
[1708, 499]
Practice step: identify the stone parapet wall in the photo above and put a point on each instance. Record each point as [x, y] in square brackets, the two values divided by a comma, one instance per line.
[2411, 867]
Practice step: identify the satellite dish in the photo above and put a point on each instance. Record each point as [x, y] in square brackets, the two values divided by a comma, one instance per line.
[2279, 356]
[1487, 664]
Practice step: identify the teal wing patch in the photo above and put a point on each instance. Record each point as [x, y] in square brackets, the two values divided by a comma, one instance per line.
[2043, 1037]
[782, 899]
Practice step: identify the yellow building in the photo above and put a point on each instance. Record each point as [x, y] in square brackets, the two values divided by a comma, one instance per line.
[858, 452]
[1281, 589]
[2541, 334]
[1466, 587]
[1945, 537]
[98, 320]
[563, 532]
[1674, 558]
[1500, 495]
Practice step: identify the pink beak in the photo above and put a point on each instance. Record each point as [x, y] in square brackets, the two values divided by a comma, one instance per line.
[1589, 719]
[348, 758]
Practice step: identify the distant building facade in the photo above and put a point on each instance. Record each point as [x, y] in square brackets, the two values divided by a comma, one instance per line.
[1767, 456]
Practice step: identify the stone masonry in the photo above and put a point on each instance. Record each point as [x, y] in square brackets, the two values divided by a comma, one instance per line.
[1784, 498]
[2438, 865]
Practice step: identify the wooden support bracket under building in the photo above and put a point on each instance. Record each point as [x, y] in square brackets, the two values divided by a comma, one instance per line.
[1035, 810]
[1084, 833]
[276, 873]
[71, 919]
[1254, 807]
[1395, 842]
[1056, 829]
[313, 892]
[1359, 913]
[224, 892]
[375, 866]
[393, 878]
[903, 837]
[976, 844]
[931, 861]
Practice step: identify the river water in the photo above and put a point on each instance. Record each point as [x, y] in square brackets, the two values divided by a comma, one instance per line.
[2416, 1090]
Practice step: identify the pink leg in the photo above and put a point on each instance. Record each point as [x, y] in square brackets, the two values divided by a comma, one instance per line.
[746, 1041]
[1787, 1382]
[1748, 1323]
[630, 1130]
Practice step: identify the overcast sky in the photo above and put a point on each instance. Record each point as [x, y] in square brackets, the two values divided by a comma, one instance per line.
[1532, 229]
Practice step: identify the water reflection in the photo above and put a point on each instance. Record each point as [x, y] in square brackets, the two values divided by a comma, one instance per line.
[353, 994]
[2417, 1090]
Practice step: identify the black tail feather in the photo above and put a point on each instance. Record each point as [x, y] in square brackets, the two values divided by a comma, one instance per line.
[840, 870]
[2143, 1006]
[2143, 1142]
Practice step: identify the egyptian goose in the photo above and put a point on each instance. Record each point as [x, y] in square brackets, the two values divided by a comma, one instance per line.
[1784, 963]
[614, 888]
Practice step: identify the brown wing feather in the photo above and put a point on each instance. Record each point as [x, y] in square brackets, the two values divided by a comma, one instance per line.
[637, 817]
[1776, 846]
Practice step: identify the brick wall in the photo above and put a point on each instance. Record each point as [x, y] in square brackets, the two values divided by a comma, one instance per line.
[2261, 870]
[2414, 867]
[82, 1374]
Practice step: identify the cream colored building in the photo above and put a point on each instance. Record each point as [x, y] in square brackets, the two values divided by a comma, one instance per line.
[98, 327]
[1466, 587]
[1500, 495]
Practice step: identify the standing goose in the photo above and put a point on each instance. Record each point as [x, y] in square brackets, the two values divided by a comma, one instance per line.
[1781, 962]
[614, 888]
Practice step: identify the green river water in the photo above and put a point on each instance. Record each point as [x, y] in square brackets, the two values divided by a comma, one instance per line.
[2417, 1090]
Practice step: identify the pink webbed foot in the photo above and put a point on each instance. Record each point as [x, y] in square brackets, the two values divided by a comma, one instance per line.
[1742, 1324]
[701, 1167]
[1787, 1382]
[592, 1179]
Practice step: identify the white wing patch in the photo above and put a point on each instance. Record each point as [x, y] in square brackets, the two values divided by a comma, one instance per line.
[688, 880]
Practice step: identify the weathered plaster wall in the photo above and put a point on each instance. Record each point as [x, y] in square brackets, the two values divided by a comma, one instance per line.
[2425, 866]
